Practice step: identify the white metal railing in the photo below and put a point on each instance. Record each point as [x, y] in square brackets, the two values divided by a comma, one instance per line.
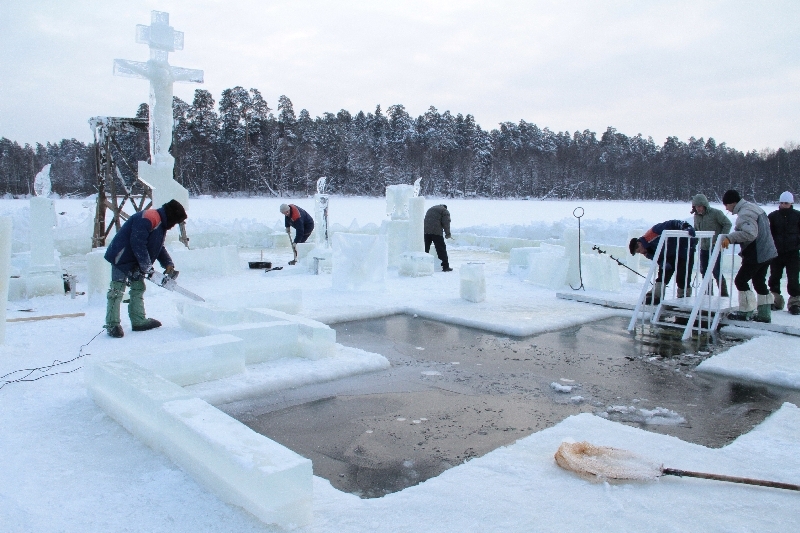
[705, 303]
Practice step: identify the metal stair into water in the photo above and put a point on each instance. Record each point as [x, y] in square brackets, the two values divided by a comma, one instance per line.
[700, 312]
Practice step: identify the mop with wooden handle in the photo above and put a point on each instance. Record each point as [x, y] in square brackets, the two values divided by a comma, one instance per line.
[602, 463]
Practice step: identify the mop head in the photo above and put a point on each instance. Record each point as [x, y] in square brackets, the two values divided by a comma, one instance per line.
[602, 463]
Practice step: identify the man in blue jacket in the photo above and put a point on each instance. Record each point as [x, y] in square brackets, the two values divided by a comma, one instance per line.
[138, 243]
[676, 255]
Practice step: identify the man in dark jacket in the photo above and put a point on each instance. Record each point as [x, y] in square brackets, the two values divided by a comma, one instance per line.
[138, 243]
[752, 233]
[785, 227]
[706, 218]
[300, 220]
[437, 220]
[676, 255]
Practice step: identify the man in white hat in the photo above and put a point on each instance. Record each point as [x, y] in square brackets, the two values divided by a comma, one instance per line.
[785, 226]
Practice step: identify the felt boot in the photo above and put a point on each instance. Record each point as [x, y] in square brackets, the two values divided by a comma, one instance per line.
[653, 296]
[136, 312]
[747, 306]
[114, 298]
[764, 313]
[778, 301]
[794, 305]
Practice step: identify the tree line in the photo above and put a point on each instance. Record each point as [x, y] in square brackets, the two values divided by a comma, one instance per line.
[241, 146]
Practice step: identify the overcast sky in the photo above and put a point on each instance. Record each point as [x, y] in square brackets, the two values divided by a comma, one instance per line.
[723, 69]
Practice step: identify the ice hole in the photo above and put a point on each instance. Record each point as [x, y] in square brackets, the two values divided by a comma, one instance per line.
[382, 432]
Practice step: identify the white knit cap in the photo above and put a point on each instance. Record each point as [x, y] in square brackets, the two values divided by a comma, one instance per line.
[787, 197]
[284, 208]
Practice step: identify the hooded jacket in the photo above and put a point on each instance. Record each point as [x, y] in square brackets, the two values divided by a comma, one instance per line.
[437, 220]
[752, 232]
[139, 242]
[712, 220]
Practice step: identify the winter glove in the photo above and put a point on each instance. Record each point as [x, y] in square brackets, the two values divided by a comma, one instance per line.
[149, 272]
[725, 243]
[169, 270]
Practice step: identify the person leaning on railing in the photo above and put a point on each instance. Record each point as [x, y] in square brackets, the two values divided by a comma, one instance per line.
[706, 218]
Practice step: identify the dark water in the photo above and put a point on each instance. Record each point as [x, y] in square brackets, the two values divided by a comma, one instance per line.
[454, 393]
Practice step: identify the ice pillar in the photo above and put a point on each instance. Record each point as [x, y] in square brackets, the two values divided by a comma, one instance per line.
[5, 267]
[416, 224]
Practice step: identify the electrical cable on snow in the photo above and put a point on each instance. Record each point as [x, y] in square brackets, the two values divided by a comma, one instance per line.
[30, 371]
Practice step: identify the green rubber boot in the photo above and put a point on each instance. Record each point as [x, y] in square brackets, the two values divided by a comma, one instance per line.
[764, 313]
[114, 298]
[136, 310]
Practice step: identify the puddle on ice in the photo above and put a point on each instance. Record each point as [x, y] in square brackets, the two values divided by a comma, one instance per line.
[382, 432]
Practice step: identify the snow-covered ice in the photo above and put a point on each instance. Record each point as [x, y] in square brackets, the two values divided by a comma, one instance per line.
[71, 468]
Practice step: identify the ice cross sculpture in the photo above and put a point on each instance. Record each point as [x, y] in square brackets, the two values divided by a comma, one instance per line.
[162, 39]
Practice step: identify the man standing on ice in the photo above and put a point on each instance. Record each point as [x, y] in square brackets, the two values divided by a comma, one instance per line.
[138, 243]
[437, 221]
[676, 254]
[785, 226]
[752, 233]
[706, 218]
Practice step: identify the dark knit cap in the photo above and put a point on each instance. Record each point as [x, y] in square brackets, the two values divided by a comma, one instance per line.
[633, 245]
[175, 213]
[731, 197]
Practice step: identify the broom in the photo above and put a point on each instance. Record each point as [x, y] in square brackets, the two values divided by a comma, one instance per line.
[598, 463]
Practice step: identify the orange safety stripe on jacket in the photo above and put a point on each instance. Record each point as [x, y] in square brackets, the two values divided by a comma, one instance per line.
[153, 217]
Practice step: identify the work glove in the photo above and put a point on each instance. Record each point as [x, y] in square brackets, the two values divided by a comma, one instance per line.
[148, 273]
[725, 243]
[169, 270]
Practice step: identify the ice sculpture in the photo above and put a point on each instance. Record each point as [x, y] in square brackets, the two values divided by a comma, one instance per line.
[41, 183]
[321, 215]
[405, 230]
[359, 262]
[162, 39]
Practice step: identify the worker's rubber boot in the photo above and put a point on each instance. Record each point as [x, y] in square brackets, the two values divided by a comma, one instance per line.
[653, 296]
[747, 306]
[114, 298]
[139, 320]
[764, 313]
[794, 305]
[778, 301]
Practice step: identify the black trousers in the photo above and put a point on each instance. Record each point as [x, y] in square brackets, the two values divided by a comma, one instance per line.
[441, 247]
[752, 271]
[791, 262]
[684, 271]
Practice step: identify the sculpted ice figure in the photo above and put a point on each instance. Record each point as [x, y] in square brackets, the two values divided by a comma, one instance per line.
[162, 39]
[41, 183]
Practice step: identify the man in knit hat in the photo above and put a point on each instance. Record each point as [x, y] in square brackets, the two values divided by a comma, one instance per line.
[752, 233]
[138, 243]
[706, 218]
[785, 226]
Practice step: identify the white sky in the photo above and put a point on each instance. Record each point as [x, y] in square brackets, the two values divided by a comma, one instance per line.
[723, 69]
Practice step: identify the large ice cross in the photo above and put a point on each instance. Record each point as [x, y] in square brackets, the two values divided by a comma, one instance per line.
[162, 39]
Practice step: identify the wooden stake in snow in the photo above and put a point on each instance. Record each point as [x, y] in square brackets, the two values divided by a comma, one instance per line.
[44, 317]
[601, 463]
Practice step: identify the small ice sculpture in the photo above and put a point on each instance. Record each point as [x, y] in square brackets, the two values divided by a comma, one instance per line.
[397, 197]
[359, 262]
[41, 183]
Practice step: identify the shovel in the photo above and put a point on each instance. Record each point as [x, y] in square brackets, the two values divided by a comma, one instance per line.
[599, 463]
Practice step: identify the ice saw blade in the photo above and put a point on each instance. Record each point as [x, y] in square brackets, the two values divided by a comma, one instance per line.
[170, 284]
